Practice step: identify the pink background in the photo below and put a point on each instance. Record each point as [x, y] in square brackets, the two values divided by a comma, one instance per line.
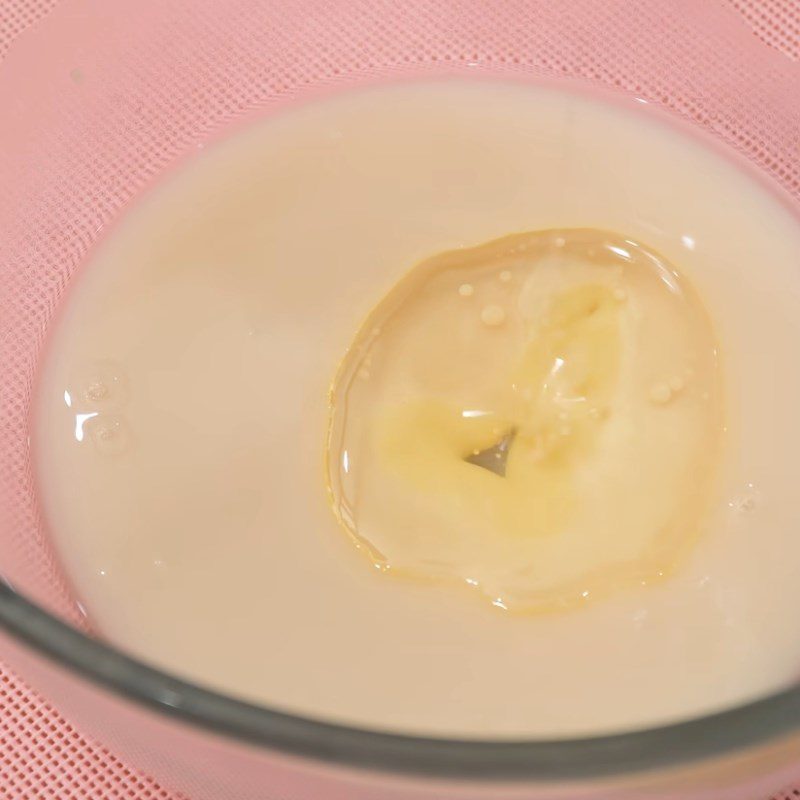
[42, 755]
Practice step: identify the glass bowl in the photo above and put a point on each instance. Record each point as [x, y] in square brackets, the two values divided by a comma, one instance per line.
[101, 99]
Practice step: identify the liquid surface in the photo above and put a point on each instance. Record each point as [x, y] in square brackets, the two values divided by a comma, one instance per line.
[583, 367]
[183, 408]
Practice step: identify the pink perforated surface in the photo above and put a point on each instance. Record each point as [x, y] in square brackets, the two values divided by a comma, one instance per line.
[42, 755]
[776, 22]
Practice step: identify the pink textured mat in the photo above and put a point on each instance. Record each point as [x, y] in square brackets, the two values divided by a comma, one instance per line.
[42, 755]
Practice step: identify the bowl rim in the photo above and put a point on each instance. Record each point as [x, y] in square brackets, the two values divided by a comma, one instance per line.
[545, 760]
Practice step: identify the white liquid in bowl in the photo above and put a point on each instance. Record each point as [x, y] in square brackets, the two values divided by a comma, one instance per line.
[182, 417]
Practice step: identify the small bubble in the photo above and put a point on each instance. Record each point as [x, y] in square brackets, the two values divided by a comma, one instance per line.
[660, 393]
[363, 373]
[493, 316]
[676, 383]
[97, 390]
[505, 276]
[594, 413]
[98, 386]
[109, 434]
[620, 295]
[559, 241]
[746, 501]
[466, 290]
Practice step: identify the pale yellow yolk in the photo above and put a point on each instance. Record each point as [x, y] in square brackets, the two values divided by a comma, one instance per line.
[553, 363]
[572, 361]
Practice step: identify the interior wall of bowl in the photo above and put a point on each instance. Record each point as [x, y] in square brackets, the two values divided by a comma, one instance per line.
[99, 99]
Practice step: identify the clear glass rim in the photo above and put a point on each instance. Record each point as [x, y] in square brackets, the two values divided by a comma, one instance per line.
[101, 664]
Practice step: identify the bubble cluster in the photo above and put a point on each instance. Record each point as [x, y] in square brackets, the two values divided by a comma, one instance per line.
[96, 394]
[109, 434]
